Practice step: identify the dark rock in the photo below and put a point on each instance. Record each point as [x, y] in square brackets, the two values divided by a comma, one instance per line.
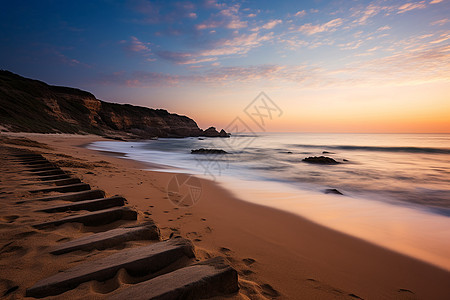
[212, 132]
[327, 152]
[321, 160]
[208, 151]
[345, 159]
[332, 191]
[223, 133]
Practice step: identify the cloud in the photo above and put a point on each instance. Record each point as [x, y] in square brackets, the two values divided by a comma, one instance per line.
[183, 58]
[384, 28]
[436, 1]
[163, 11]
[406, 67]
[240, 44]
[300, 13]
[226, 17]
[351, 45]
[268, 25]
[440, 22]
[310, 29]
[138, 79]
[135, 45]
[443, 38]
[272, 24]
[411, 6]
[370, 11]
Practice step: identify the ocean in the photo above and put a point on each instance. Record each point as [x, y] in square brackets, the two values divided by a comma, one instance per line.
[395, 187]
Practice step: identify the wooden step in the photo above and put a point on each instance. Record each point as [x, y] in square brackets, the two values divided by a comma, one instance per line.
[51, 172]
[41, 165]
[137, 261]
[53, 177]
[63, 181]
[77, 196]
[34, 162]
[91, 205]
[49, 168]
[96, 218]
[211, 278]
[77, 187]
[108, 239]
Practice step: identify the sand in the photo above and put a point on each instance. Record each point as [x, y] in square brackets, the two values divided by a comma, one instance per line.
[277, 254]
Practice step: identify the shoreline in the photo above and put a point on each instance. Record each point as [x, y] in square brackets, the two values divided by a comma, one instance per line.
[292, 256]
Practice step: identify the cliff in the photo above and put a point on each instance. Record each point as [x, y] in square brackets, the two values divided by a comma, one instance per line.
[34, 106]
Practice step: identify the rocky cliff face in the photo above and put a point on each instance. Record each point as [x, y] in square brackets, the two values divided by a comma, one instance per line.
[33, 106]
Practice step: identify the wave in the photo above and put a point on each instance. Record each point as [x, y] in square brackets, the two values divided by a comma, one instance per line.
[380, 149]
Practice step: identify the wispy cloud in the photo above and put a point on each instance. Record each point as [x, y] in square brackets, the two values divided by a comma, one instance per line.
[310, 29]
[227, 17]
[440, 22]
[163, 11]
[443, 38]
[183, 58]
[237, 45]
[300, 13]
[386, 27]
[135, 45]
[411, 6]
[269, 25]
[436, 1]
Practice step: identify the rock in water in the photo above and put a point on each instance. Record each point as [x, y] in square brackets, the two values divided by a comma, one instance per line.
[333, 191]
[212, 132]
[223, 133]
[322, 160]
[208, 151]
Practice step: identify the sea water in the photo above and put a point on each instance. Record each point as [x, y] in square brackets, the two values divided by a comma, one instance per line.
[396, 187]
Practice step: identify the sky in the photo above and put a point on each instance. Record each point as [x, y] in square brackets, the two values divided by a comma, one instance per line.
[324, 66]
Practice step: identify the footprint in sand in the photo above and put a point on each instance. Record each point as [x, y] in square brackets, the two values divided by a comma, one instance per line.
[10, 219]
[225, 251]
[248, 261]
[13, 249]
[63, 240]
[354, 296]
[11, 290]
[269, 291]
[246, 272]
[25, 234]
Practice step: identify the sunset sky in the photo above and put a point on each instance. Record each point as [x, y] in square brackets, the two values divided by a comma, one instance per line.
[330, 66]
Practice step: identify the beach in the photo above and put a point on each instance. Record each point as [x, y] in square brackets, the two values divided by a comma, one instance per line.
[277, 254]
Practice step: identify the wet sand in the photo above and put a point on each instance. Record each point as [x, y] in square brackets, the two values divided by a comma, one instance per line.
[277, 254]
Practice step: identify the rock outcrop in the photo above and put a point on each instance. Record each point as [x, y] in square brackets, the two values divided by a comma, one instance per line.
[34, 106]
[208, 151]
[321, 160]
